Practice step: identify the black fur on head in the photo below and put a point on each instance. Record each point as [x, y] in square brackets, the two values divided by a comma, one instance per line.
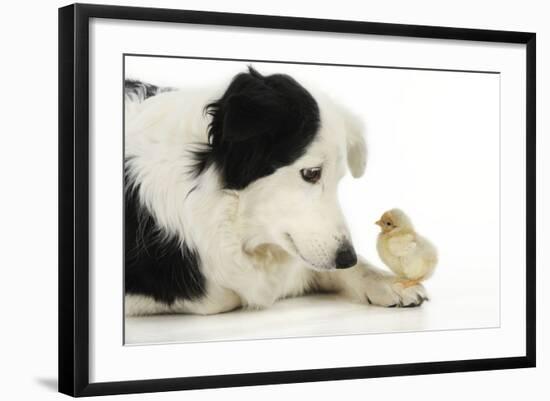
[260, 123]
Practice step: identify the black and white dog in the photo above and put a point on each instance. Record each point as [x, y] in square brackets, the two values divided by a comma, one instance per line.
[231, 199]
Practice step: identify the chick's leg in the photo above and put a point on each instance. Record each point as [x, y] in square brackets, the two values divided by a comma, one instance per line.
[409, 283]
[368, 284]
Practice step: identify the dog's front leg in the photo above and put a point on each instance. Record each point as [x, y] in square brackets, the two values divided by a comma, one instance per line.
[365, 283]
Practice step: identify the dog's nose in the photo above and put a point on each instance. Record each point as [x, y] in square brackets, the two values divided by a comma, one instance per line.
[345, 257]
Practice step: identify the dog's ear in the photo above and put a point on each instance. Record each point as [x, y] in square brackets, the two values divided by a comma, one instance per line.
[248, 116]
[259, 124]
[356, 146]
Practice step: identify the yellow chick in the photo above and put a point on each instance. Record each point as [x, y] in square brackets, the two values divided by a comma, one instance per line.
[411, 257]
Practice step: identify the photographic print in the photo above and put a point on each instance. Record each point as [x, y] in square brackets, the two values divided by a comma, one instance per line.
[270, 200]
[252, 199]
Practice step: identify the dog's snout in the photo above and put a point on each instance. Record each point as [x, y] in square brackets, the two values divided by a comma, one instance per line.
[345, 257]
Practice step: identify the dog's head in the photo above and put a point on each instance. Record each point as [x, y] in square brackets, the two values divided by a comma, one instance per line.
[284, 152]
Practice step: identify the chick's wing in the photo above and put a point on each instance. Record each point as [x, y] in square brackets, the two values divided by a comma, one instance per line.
[402, 245]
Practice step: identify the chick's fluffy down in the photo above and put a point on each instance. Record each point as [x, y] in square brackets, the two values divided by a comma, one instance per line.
[405, 252]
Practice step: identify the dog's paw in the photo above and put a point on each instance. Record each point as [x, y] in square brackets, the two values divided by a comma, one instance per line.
[390, 293]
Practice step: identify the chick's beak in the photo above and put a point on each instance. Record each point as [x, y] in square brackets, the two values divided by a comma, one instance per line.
[379, 223]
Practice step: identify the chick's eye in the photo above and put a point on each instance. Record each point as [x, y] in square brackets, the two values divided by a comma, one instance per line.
[388, 223]
[311, 175]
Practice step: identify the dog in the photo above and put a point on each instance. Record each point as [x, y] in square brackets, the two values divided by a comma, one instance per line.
[231, 198]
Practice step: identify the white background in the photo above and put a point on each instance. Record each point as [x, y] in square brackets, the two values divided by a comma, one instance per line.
[29, 199]
[109, 39]
[433, 150]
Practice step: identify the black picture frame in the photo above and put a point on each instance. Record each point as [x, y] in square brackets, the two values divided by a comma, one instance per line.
[74, 198]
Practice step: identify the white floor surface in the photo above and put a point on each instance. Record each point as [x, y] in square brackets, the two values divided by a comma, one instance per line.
[318, 315]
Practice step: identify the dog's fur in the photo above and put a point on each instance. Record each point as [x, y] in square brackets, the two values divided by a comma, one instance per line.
[219, 212]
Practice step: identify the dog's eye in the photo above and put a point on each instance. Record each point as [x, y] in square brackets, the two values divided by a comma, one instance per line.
[311, 175]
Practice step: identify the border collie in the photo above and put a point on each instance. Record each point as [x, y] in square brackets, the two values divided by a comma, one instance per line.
[231, 199]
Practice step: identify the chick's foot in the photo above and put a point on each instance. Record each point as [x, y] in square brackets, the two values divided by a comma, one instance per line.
[409, 283]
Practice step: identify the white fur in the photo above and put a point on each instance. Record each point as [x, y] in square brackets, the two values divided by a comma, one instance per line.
[275, 238]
